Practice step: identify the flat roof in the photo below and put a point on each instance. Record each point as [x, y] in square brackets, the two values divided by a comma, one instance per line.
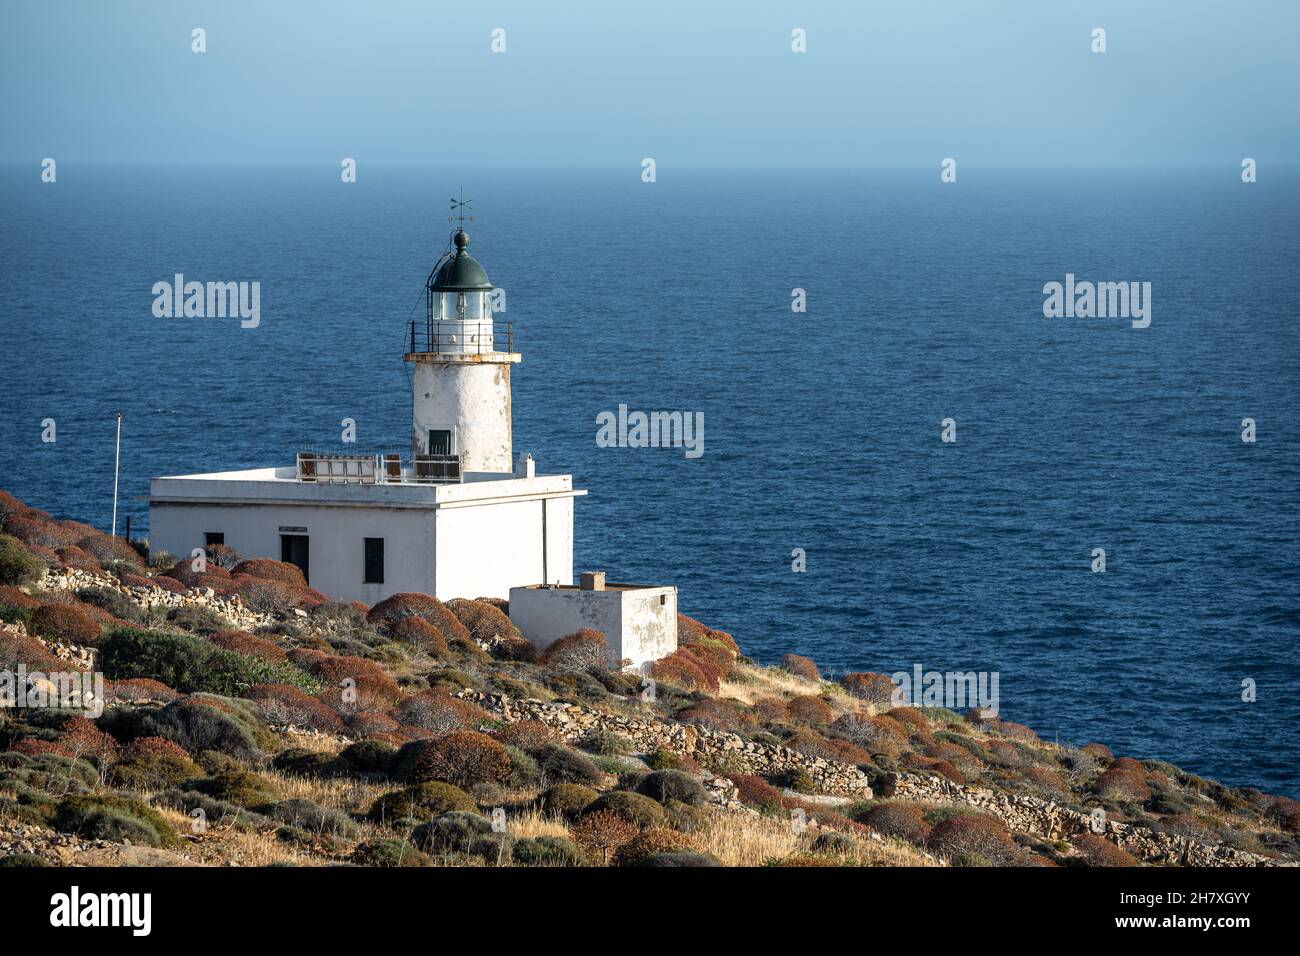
[265, 486]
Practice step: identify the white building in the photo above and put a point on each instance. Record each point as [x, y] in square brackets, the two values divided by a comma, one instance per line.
[460, 518]
[639, 621]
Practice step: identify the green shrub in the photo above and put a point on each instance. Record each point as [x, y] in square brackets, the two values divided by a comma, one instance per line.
[215, 813]
[198, 723]
[153, 771]
[524, 771]
[679, 858]
[567, 800]
[367, 756]
[191, 664]
[459, 832]
[388, 853]
[607, 743]
[310, 816]
[113, 601]
[559, 764]
[23, 859]
[105, 817]
[638, 810]
[665, 785]
[421, 801]
[240, 787]
[662, 760]
[547, 851]
[16, 565]
[198, 620]
[308, 763]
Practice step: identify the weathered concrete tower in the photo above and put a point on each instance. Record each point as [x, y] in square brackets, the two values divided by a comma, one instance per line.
[462, 381]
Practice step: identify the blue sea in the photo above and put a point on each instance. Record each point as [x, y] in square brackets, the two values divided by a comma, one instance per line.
[822, 429]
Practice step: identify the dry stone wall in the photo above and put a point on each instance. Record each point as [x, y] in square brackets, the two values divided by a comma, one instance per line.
[737, 755]
[1044, 818]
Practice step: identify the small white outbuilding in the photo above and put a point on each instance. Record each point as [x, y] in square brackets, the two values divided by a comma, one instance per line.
[639, 621]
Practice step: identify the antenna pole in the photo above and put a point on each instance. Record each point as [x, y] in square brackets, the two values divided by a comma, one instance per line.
[117, 462]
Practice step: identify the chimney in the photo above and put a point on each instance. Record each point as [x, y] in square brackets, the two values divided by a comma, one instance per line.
[593, 580]
[525, 467]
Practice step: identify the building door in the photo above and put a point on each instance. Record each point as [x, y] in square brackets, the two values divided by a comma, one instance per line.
[293, 550]
[439, 441]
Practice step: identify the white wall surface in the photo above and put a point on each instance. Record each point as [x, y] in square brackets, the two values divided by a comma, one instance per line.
[471, 400]
[640, 625]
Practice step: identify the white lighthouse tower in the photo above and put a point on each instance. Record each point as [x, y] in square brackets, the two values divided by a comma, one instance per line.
[461, 385]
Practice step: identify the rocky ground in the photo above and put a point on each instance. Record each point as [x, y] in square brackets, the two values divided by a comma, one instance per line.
[252, 721]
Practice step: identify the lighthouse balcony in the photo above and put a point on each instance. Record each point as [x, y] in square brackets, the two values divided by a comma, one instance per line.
[460, 337]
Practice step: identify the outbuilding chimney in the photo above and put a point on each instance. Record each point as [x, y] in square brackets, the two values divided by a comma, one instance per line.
[593, 580]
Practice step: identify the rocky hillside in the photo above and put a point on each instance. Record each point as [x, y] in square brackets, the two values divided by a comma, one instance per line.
[250, 720]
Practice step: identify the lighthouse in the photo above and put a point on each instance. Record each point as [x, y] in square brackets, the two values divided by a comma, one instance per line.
[461, 361]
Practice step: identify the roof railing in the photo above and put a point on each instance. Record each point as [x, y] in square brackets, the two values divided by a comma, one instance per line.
[381, 469]
[456, 336]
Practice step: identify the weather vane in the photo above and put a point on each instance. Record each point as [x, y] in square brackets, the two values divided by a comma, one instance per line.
[458, 207]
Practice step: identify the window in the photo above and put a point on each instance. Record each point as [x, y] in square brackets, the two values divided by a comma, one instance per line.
[374, 561]
[439, 441]
[213, 537]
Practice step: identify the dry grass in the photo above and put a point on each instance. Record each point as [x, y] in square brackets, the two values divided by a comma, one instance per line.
[534, 823]
[742, 839]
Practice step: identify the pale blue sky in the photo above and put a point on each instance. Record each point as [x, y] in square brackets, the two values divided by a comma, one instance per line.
[689, 83]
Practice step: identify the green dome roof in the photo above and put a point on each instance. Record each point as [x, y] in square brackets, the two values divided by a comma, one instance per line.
[460, 273]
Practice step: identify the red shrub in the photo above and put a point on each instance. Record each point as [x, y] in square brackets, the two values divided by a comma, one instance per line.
[756, 792]
[1099, 851]
[66, 623]
[34, 747]
[103, 547]
[871, 687]
[35, 532]
[369, 688]
[168, 584]
[409, 604]
[814, 745]
[183, 571]
[903, 820]
[811, 710]
[438, 712]
[24, 649]
[800, 666]
[914, 721]
[81, 738]
[930, 765]
[270, 570]
[1098, 750]
[972, 834]
[527, 735]
[583, 649]
[419, 633]
[74, 557]
[680, 670]
[15, 598]
[720, 715]
[483, 621]
[283, 704]
[140, 688]
[155, 747]
[368, 723]
[770, 710]
[45, 555]
[241, 642]
[463, 757]
[1124, 781]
